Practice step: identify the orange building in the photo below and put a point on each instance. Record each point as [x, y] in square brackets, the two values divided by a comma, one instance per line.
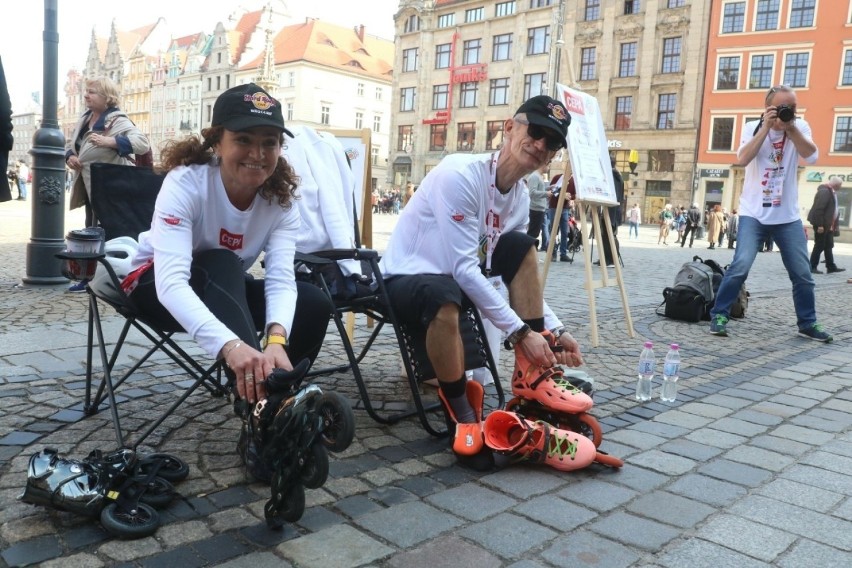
[755, 44]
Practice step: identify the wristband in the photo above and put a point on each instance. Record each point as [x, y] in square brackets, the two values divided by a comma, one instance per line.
[275, 339]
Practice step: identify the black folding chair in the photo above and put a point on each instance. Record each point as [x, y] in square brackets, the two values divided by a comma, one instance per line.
[123, 200]
[373, 302]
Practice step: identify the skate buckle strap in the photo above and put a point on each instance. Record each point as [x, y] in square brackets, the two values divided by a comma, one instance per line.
[258, 408]
[547, 374]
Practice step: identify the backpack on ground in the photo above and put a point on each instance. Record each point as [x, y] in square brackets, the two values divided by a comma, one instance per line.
[692, 294]
[740, 305]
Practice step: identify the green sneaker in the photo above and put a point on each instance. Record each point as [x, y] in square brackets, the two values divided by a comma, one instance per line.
[717, 325]
[817, 333]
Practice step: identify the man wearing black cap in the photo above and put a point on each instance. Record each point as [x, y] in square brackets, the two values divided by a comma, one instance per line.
[465, 224]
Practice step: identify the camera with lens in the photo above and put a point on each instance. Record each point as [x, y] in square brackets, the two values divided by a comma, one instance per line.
[785, 112]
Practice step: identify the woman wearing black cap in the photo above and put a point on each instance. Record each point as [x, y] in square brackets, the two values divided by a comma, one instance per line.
[227, 198]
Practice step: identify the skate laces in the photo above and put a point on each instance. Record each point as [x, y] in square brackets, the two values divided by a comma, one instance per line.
[559, 445]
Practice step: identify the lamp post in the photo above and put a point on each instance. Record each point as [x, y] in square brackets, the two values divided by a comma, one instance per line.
[556, 47]
[48, 153]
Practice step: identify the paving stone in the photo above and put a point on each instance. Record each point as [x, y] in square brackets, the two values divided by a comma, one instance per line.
[751, 415]
[725, 400]
[819, 478]
[32, 551]
[421, 486]
[408, 524]
[357, 506]
[746, 536]
[670, 509]
[554, 512]
[697, 553]
[738, 427]
[691, 450]
[816, 423]
[634, 531]
[444, 552]
[781, 445]
[665, 463]
[707, 490]
[183, 557]
[800, 494]
[716, 438]
[256, 560]
[336, 547]
[759, 457]
[806, 553]
[232, 496]
[508, 535]
[706, 410]
[597, 495]
[522, 482]
[124, 550]
[471, 502]
[800, 434]
[736, 472]
[19, 439]
[639, 478]
[815, 526]
[220, 548]
[583, 548]
[659, 429]
[81, 560]
[181, 533]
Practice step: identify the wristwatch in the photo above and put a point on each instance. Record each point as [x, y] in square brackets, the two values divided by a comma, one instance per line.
[516, 336]
[557, 332]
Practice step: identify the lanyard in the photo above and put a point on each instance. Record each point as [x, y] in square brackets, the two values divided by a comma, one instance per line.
[777, 154]
[493, 222]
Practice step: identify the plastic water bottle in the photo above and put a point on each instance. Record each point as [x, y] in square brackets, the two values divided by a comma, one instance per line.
[647, 363]
[671, 370]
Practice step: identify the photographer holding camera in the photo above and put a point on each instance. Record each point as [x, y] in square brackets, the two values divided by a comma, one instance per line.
[769, 207]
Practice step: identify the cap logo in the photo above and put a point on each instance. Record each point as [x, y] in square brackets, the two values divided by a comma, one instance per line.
[557, 111]
[261, 101]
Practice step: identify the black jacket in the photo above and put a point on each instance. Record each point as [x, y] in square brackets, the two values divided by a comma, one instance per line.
[693, 217]
[7, 141]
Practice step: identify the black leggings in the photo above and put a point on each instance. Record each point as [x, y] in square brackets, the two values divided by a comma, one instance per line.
[238, 301]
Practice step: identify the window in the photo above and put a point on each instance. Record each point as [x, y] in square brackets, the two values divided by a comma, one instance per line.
[722, 138]
[406, 99]
[661, 160]
[404, 137]
[325, 114]
[847, 69]
[767, 15]
[442, 56]
[437, 137]
[733, 19]
[534, 84]
[440, 94]
[540, 3]
[374, 155]
[472, 51]
[588, 56]
[592, 11]
[409, 60]
[675, 3]
[468, 94]
[498, 92]
[729, 73]
[538, 40]
[761, 71]
[359, 120]
[658, 188]
[291, 79]
[671, 55]
[502, 50]
[627, 64]
[474, 14]
[378, 93]
[802, 13]
[466, 137]
[377, 123]
[631, 6]
[504, 9]
[623, 112]
[412, 24]
[493, 134]
[666, 111]
[796, 69]
[360, 89]
[446, 20]
[843, 134]
[289, 111]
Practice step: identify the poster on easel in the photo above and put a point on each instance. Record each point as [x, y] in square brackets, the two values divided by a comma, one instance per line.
[587, 148]
[357, 145]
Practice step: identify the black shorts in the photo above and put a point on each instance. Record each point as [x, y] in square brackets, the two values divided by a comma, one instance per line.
[416, 298]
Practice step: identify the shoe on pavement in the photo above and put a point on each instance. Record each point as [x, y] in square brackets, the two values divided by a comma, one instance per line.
[816, 271]
[817, 333]
[538, 442]
[610, 265]
[467, 437]
[718, 325]
[834, 270]
[564, 258]
[78, 286]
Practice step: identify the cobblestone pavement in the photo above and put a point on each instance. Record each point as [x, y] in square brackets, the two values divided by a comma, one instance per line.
[750, 467]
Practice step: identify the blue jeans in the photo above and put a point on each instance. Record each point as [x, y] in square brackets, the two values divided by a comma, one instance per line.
[634, 229]
[563, 229]
[22, 189]
[790, 237]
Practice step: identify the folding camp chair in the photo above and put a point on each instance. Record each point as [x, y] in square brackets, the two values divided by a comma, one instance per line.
[123, 201]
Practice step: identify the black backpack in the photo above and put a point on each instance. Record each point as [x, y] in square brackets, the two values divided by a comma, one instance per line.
[692, 294]
[740, 305]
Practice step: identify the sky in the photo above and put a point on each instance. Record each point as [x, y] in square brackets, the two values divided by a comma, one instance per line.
[21, 43]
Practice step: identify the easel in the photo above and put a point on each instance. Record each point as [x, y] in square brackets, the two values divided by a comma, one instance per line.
[587, 209]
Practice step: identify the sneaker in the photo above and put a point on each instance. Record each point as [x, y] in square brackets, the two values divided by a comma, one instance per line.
[564, 258]
[816, 271]
[834, 270]
[78, 286]
[817, 333]
[467, 438]
[717, 325]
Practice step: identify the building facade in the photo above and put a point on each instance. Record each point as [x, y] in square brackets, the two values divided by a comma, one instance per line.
[463, 66]
[756, 44]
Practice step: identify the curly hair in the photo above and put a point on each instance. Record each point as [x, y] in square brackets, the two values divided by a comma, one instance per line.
[281, 185]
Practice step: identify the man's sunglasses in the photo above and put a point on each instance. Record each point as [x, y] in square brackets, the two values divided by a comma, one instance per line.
[537, 132]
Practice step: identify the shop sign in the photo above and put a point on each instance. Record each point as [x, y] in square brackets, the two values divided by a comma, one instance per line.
[713, 172]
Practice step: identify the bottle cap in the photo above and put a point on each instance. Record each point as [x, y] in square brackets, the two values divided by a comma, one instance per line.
[649, 344]
[675, 346]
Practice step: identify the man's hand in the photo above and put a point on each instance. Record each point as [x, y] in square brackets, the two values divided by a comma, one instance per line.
[570, 355]
[538, 351]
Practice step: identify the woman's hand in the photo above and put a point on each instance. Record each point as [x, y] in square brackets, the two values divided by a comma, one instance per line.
[102, 141]
[251, 368]
[74, 163]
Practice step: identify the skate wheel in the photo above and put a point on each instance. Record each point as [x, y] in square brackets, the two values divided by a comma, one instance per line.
[590, 428]
[172, 468]
[315, 469]
[514, 405]
[290, 501]
[338, 428]
[604, 458]
[159, 492]
[140, 522]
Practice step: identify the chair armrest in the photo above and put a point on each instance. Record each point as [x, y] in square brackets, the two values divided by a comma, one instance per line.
[65, 255]
[346, 254]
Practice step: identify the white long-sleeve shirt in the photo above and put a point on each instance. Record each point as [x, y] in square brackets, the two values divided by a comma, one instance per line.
[442, 231]
[193, 214]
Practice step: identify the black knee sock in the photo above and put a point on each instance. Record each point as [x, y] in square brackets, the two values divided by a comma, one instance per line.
[456, 395]
[536, 324]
